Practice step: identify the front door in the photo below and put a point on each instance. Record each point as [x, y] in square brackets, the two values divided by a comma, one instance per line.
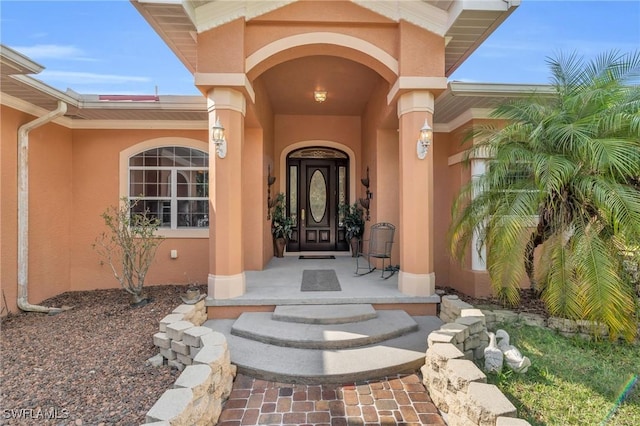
[317, 184]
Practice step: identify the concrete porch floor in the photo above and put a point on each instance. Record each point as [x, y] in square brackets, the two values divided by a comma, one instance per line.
[279, 284]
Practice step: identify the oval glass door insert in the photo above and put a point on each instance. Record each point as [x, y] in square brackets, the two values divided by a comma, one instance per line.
[317, 196]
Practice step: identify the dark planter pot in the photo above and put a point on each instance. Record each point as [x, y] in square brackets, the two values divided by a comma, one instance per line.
[355, 246]
[278, 246]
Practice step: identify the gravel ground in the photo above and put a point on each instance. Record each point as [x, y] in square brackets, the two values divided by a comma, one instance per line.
[86, 365]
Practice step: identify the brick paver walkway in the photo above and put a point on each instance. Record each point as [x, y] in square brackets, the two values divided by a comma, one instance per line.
[398, 400]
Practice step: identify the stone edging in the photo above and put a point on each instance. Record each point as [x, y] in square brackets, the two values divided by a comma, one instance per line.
[207, 373]
[456, 385]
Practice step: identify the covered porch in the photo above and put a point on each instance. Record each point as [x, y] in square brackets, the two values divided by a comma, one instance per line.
[279, 283]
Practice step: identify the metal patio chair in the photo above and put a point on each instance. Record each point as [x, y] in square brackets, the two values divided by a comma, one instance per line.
[378, 246]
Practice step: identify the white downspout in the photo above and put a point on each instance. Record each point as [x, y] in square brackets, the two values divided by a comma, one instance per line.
[23, 208]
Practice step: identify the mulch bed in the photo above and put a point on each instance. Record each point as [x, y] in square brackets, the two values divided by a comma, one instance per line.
[88, 364]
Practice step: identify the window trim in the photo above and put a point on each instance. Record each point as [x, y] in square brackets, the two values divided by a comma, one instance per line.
[125, 154]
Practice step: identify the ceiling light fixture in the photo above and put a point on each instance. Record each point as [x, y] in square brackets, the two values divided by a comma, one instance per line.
[320, 96]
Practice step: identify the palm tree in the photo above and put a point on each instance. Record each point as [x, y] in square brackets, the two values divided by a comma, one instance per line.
[563, 175]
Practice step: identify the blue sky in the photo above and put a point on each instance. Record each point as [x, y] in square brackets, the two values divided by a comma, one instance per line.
[106, 47]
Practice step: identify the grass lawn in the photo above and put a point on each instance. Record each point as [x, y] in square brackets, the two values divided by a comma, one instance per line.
[571, 381]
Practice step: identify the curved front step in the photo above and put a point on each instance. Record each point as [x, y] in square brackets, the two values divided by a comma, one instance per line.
[312, 366]
[324, 314]
[260, 326]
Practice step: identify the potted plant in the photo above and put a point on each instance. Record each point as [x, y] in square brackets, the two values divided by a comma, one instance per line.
[281, 225]
[353, 222]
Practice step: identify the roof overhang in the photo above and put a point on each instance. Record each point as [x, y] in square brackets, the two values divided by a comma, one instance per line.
[464, 24]
[28, 94]
[463, 102]
[13, 62]
[455, 106]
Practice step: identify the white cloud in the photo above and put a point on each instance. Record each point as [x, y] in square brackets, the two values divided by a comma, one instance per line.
[53, 51]
[78, 78]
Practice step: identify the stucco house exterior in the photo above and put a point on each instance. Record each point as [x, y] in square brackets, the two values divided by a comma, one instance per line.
[263, 69]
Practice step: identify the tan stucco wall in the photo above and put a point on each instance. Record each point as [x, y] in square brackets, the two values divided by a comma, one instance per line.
[290, 129]
[343, 17]
[74, 177]
[380, 153]
[458, 275]
[421, 52]
[443, 187]
[50, 207]
[96, 156]
[258, 255]
[254, 199]
[221, 49]
[9, 205]
[334, 28]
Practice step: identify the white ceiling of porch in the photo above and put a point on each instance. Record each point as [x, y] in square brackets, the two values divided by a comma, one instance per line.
[349, 86]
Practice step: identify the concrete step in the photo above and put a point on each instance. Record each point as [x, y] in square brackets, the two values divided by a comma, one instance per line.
[261, 326]
[312, 366]
[324, 314]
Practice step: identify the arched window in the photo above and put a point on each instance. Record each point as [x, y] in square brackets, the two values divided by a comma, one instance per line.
[172, 184]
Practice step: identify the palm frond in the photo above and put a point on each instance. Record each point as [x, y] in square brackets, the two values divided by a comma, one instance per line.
[605, 297]
[557, 280]
[564, 172]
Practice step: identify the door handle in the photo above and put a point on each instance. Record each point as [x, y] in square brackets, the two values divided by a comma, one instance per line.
[302, 215]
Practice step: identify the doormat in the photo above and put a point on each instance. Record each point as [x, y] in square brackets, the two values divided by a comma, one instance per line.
[317, 256]
[320, 280]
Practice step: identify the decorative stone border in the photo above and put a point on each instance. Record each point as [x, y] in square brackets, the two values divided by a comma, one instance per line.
[568, 328]
[456, 385]
[207, 373]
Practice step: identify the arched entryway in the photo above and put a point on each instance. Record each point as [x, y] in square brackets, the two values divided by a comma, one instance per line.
[317, 183]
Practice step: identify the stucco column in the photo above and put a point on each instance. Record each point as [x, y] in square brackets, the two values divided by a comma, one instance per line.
[478, 260]
[417, 277]
[226, 252]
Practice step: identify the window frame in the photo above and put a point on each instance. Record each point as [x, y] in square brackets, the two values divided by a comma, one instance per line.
[125, 155]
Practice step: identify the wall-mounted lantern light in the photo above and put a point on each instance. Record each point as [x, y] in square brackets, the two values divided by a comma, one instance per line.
[219, 140]
[366, 202]
[424, 141]
[271, 202]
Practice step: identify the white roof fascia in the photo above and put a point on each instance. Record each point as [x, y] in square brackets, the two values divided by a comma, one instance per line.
[216, 13]
[388, 9]
[425, 16]
[417, 12]
[190, 10]
[29, 108]
[172, 102]
[158, 28]
[459, 88]
[259, 8]
[17, 60]
[178, 103]
[46, 89]
[70, 123]
[460, 6]
[160, 1]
